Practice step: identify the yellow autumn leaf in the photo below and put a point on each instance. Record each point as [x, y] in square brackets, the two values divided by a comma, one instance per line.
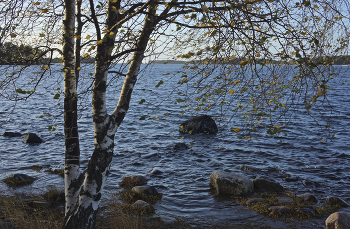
[13, 35]
[232, 92]
[99, 42]
[284, 105]
[78, 68]
[86, 55]
[111, 33]
[45, 10]
[185, 80]
[42, 35]
[197, 99]
[36, 3]
[236, 130]
[87, 37]
[247, 137]
[257, 55]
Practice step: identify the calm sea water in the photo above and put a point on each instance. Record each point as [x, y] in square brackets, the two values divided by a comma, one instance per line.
[322, 169]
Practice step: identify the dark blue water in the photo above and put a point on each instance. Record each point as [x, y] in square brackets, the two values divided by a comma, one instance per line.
[141, 145]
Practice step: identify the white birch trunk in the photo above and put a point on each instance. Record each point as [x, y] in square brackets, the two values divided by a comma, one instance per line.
[105, 127]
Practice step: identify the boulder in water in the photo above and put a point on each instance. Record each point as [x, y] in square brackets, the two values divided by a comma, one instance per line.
[32, 138]
[231, 183]
[265, 184]
[203, 124]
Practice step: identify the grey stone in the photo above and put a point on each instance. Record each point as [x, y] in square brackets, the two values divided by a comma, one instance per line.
[168, 219]
[231, 183]
[140, 204]
[285, 200]
[338, 220]
[156, 171]
[203, 124]
[334, 200]
[280, 209]
[307, 197]
[255, 200]
[32, 138]
[265, 184]
[145, 190]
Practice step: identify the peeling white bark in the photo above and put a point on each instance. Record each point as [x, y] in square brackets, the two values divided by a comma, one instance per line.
[71, 174]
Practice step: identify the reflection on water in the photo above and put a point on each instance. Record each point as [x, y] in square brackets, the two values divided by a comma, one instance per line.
[297, 160]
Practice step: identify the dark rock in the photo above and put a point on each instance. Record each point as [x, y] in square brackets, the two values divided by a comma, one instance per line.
[307, 197]
[199, 125]
[265, 184]
[248, 168]
[180, 146]
[140, 204]
[285, 200]
[22, 177]
[145, 190]
[156, 171]
[255, 200]
[231, 183]
[280, 209]
[137, 180]
[31, 138]
[12, 134]
[334, 200]
[338, 220]
[169, 220]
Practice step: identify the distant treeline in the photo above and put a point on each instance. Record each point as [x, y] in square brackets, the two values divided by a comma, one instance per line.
[11, 54]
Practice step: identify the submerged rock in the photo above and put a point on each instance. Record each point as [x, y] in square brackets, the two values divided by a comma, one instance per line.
[32, 138]
[307, 197]
[280, 209]
[265, 184]
[145, 190]
[231, 183]
[255, 200]
[285, 200]
[334, 200]
[133, 181]
[12, 134]
[199, 125]
[249, 168]
[180, 146]
[338, 220]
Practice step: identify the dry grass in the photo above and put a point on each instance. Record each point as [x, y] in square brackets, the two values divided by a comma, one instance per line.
[14, 209]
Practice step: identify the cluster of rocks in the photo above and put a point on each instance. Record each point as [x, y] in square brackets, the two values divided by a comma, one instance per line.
[138, 185]
[241, 185]
[28, 137]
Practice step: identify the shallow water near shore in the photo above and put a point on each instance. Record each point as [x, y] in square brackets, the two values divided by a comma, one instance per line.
[141, 145]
